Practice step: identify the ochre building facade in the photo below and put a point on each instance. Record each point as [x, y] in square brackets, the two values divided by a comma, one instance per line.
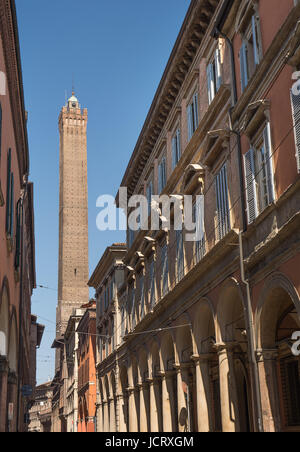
[204, 339]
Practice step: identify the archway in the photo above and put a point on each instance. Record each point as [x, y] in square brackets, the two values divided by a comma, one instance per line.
[123, 396]
[278, 317]
[170, 404]
[207, 369]
[234, 364]
[186, 387]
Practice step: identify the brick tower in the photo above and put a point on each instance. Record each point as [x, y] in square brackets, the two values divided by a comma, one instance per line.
[73, 268]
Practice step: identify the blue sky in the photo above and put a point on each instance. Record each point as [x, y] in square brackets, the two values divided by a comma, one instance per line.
[116, 51]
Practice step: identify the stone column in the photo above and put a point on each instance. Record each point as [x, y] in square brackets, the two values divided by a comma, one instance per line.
[181, 400]
[143, 409]
[267, 367]
[3, 393]
[112, 412]
[203, 391]
[154, 427]
[106, 417]
[121, 411]
[99, 418]
[228, 391]
[166, 405]
[133, 422]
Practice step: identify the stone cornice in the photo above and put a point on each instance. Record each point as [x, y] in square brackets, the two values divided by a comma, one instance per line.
[188, 42]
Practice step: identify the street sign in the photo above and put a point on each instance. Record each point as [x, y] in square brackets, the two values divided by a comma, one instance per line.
[10, 414]
[27, 390]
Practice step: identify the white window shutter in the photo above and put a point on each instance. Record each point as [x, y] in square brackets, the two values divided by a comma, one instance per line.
[196, 114]
[269, 163]
[160, 177]
[255, 41]
[174, 152]
[210, 83]
[244, 66]
[190, 121]
[178, 143]
[218, 69]
[296, 119]
[251, 194]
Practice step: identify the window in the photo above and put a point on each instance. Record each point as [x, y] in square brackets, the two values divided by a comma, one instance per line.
[260, 191]
[165, 270]
[18, 236]
[198, 219]
[214, 76]
[251, 51]
[149, 193]
[113, 334]
[223, 213]
[142, 294]
[123, 321]
[9, 197]
[131, 305]
[151, 284]
[295, 99]
[162, 174]
[193, 118]
[176, 149]
[179, 255]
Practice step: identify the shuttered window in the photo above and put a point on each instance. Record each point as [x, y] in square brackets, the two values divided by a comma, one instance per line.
[149, 192]
[18, 235]
[251, 189]
[176, 149]
[165, 271]
[259, 174]
[162, 175]
[251, 51]
[214, 76]
[193, 117]
[151, 285]
[198, 219]
[222, 196]
[8, 194]
[179, 255]
[142, 294]
[295, 99]
[123, 321]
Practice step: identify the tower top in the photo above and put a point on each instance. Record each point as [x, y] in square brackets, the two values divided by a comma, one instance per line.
[73, 101]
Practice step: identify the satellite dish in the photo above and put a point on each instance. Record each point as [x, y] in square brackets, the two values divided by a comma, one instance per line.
[2, 344]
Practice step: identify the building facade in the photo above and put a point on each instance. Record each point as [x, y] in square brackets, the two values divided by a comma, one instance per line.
[17, 251]
[87, 369]
[206, 334]
[108, 280]
[40, 412]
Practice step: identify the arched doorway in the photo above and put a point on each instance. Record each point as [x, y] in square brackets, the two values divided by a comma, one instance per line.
[278, 318]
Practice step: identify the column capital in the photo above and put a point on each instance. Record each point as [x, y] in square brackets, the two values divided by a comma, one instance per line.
[224, 347]
[130, 389]
[266, 354]
[203, 357]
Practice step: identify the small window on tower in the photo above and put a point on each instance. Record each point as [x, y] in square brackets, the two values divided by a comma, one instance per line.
[74, 104]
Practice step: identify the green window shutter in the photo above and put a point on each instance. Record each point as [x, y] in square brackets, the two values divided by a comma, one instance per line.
[8, 191]
[269, 163]
[11, 219]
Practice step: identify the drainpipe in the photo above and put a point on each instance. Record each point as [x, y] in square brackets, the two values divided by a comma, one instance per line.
[256, 394]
